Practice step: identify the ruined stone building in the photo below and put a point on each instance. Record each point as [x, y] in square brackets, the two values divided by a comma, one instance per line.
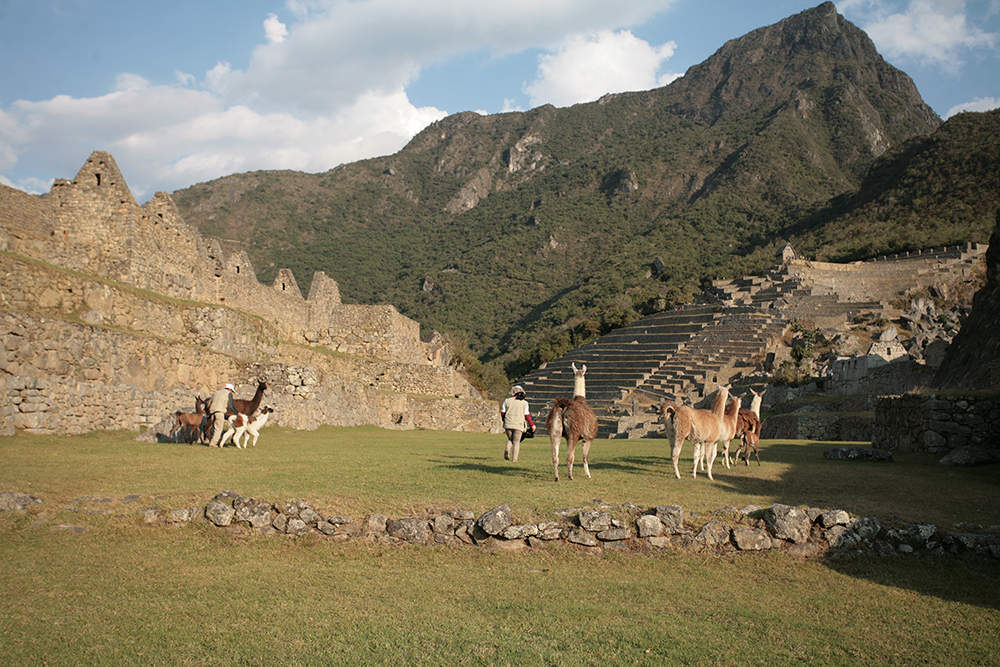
[114, 315]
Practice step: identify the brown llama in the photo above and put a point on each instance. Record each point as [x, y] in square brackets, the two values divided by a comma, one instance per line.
[750, 432]
[191, 423]
[683, 422]
[576, 420]
[245, 407]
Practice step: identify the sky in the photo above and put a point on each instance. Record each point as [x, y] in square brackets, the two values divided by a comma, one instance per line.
[187, 91]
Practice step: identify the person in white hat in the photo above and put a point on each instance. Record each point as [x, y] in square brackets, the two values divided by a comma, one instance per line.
[516, 418]
[217, 405]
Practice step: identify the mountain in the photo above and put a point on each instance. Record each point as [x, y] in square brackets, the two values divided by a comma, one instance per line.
[526, 234]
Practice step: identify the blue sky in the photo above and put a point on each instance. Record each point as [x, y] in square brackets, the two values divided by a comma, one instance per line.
[190, 90]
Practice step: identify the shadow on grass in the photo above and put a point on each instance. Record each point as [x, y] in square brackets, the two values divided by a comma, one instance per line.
[486, 466]
[913, 489]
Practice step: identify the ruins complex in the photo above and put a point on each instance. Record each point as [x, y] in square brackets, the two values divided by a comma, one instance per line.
[114, 315]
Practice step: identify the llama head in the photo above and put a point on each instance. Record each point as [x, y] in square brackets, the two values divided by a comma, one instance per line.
[578, 372]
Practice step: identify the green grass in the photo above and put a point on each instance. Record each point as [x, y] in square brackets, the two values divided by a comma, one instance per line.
[126, 594]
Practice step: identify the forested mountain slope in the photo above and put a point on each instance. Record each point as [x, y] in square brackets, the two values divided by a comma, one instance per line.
[526, 233]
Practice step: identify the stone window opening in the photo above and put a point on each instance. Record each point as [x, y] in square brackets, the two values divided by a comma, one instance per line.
[98, 177]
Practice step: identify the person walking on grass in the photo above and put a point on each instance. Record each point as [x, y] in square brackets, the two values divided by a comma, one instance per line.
[516, 420]
[217, 405]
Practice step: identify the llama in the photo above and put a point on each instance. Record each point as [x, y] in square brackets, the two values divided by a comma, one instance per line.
[748, 430]
[700, 426]
[751, 427]
[245, 407]
[191, 422]
[245, 426]
[727, 431]
[574, 419]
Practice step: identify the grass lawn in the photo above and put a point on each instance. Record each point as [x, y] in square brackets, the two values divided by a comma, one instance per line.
[120, 593]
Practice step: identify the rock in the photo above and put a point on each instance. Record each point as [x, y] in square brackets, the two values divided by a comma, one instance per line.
[375, 524]
[219, 513]
[788, 523]
[649, 525]
[751, 539]
[414, 531]
[970, 456]
[296, 526]
[494, 521]
[310, 516]
[672, 517]
[857, 454]
[840, 537]
[12, 501]
[255, 513]
[149, 515]
[520, 532]
[614, 535]
[713, 534]
[834, 518]
[867, 528]
[443, 524]
[579, 536]
[595, 521]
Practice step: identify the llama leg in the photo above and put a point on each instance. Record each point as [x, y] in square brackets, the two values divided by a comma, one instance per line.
[725, 452]
[570, 454]
[675, 452]
[555, 438]
[586, 457]
[699, 452]
[711, 453]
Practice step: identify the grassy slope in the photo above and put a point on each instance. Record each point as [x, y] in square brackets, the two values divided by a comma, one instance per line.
[123, 594]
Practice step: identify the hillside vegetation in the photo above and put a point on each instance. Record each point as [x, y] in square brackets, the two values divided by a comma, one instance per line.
[524, 235]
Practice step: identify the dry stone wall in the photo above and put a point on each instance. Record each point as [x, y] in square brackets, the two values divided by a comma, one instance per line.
[936, 423]
[795, 531]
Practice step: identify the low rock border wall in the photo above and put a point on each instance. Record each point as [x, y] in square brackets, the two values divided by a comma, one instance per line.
[796, 531]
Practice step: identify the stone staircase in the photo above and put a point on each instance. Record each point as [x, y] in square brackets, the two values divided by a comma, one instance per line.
[683, 354]
[737, 339]
[617, 363]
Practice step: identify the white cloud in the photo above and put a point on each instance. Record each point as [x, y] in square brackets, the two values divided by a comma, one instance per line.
[327, 87]
[585, 67]
[978, 104]
[274, 30]
[127, 81]
[936, 32]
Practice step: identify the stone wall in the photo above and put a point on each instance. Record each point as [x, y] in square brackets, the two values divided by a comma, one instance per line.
[794, 531]
[936, 423]
[818, 426]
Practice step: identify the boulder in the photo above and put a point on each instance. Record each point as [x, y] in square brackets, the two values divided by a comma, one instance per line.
[414, 531]
[970, 456]
[12, 501]
[788, 523]
[857, 454]
[496, 520]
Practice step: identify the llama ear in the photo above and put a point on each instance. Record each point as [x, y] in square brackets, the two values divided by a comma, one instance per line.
[584, 369]
[572, 365]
